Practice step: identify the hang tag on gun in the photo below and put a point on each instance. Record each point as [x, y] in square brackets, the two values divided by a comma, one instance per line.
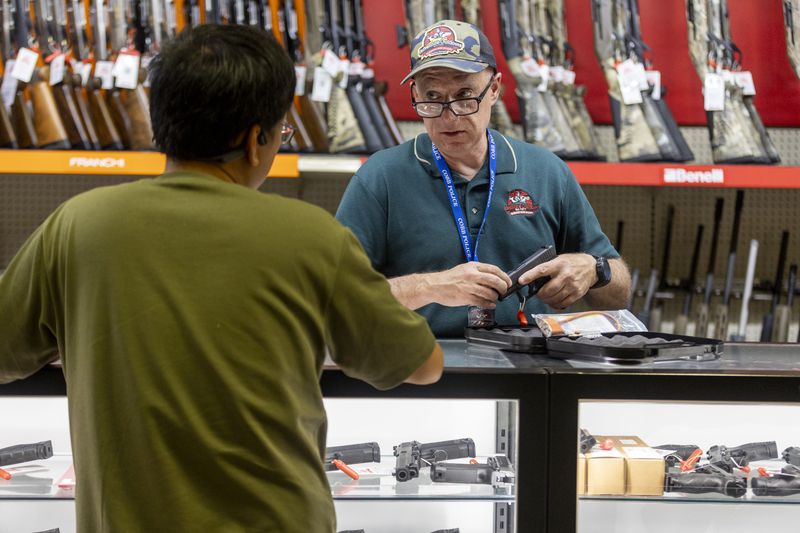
[9, 87]
[126, 70]
[714, 92]
[744, 80]
[654, 81]
[57, 69]
[628, 76]
[300, 80]
[103, 70]
[322, 86]
[25, 64]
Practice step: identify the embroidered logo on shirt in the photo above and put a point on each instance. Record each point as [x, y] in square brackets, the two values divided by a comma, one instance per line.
[520, 203]
[440, 40]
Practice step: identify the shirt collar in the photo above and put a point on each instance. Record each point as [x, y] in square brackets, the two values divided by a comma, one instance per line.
[506, 156]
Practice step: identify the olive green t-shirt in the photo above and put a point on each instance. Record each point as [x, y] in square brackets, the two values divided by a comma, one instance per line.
[192, 317]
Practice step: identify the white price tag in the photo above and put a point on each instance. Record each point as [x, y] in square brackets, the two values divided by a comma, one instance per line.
[85, 72]
[9, 87]
[557, 73]
[714, 92]
[744, 80]
[628, 75]
[641, 74]
[344, 72]
[57, 69]
[727, 76]
[530, 68]
[569, 77]
[356, 68]
[323, 85]
[368, 74]
[654, 81]
[544, 70]
[25, 64]
[126, 71]
[330, 62]
[102, 70]
[300, 80]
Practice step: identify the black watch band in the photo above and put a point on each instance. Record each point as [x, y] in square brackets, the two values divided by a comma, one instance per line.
[603, 270]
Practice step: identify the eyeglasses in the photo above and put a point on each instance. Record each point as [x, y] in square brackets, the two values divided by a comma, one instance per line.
[459, 107]
[287, 132]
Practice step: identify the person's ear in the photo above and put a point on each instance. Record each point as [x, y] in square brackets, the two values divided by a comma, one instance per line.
[256, 137]
[497, 85]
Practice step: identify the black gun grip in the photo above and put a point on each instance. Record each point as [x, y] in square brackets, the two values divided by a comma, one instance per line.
[542, 255]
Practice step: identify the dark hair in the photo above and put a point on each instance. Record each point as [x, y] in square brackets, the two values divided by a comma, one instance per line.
[212, 83]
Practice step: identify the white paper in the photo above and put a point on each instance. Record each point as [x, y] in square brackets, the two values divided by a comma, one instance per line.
[57, 69]
[714, 92]
[641, 74]
[544, 70]
[356, 68]
[628, 75]
[330, 62]
[85, 72]
[530, 68]
[344, 72]
[557, 73]
[569, 77]
[102, 70]
[300, 79]
[641, 452]
[368, 74]
[744, 80]
[25, 64]
[127, 71]
[9, 87]
[322, 86]
[654, 80]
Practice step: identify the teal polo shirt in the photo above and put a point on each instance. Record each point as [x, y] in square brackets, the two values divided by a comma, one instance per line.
[397, 206]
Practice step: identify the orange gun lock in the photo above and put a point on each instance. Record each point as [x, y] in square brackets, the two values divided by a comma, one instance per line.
[344, 468]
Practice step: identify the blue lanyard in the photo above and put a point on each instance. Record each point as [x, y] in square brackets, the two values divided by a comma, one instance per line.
[455, 204]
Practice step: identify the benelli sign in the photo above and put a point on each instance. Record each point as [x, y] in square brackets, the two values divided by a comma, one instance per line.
[681, 175]
[96, 162]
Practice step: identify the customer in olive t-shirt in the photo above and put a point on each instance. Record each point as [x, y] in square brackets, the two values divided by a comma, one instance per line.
[192, 313]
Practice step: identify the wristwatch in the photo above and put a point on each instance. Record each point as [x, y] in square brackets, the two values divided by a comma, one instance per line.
[603, 270]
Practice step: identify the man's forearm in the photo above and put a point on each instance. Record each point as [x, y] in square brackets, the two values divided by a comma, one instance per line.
[413, 291]
[616, 294]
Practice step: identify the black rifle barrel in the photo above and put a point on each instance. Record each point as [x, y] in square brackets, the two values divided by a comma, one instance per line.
[737, 219]
[712, 258]
[667, 244]
[509, 31]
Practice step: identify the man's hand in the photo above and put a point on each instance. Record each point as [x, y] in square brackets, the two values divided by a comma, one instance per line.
[571, 276]
[470, 283]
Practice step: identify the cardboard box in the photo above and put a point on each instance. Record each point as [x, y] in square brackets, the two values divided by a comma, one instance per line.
[581, 474]
[644, 467]
[605, 472]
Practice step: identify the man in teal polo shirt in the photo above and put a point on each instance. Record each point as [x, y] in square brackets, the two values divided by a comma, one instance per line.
[445, 215]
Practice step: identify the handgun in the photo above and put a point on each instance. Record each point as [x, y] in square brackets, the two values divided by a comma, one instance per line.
[692, 483]
[587, 441]
[410, 455]
[496, 471]
[22, 453]
[542, 255]
[352, 454]
[729, 458]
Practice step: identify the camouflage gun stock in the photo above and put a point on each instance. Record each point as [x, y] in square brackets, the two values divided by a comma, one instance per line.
[791, 17]
[635, 140]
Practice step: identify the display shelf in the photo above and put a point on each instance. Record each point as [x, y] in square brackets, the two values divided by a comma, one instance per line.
[297, 165]
[679, 499]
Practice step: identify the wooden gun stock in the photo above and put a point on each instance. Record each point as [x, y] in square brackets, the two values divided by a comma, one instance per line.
[137, 108]
[23, 122]
[380, 87]
[314, 122]
[83, 109]
[119, 115]
[8, 137]
[106, 130]
[46, 121]
[69, 113]
[304, 143]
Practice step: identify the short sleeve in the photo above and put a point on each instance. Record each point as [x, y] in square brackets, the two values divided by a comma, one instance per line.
[581, 231]
[27, 338]
[370, 335]
[362, 212]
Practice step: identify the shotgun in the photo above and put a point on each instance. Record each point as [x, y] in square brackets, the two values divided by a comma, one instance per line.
[76, 33]
[21, 117]
[783, 313]
[8, 137]
[767, 324]
[107, 132]
[136, 102]
[791, 18]
[47, 122]
[701, 329]
[118, 25]
[741, 334]
[721, 322]
[682, 320]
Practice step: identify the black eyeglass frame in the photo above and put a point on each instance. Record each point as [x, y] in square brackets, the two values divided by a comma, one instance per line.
[287, 134]
[447, 105]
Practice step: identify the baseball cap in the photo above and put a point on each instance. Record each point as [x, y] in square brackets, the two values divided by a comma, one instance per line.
[451, 44]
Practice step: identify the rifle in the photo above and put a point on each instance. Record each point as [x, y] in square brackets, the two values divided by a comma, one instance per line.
[537, 124]
[77, 44]
[47, 122]
[791, 17]
[497, 471]
[701, 330]
[411, 455]
[107, 132]
[136, 102]
[784, 312]
[721, 322]
[769, 319]
[21, 116]
[741, 334]
[8, 137]
[682, 320]
[310, 115]
[368, 80]
[635, 140]
[55, 36]
[670, 141]
[645, 314]
[356, 82]
[118, 26]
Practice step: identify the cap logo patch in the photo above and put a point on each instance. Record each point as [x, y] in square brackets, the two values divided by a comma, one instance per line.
[520, 203]
[440, 40]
